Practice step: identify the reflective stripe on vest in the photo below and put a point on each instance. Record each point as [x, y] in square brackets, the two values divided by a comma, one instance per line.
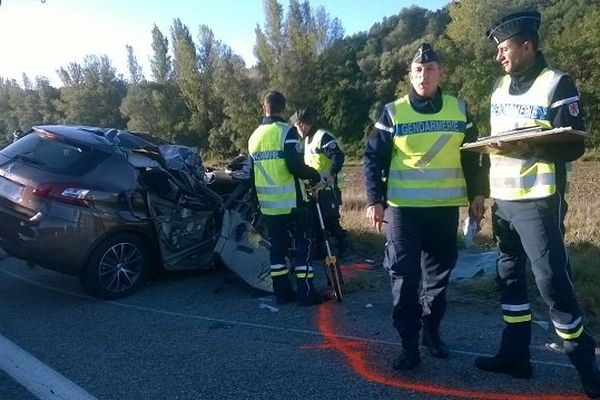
[314, 156]
[425, 170]
[275, 185]
[515, 178]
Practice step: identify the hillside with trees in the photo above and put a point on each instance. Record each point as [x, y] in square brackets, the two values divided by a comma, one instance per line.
[200, 93]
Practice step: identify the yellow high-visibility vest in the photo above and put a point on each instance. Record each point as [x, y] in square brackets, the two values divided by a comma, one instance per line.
[425, 170]
[314, 156]
[275, 185]
[516, 178]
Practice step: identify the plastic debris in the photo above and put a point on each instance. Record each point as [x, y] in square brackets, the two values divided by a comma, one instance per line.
[555, 347]
[469, 231]
[263, 306]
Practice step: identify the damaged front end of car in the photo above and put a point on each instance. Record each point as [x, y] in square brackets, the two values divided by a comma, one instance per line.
[201, 215]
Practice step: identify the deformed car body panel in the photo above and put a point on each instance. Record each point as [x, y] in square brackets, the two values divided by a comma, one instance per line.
[186, 234]
[244, 251]
[185, 219]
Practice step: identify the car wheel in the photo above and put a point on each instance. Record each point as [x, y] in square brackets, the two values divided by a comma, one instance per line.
[117, 267]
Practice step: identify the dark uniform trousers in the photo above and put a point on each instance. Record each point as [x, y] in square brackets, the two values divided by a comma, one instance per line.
[280, 227]
[534, 230]
[420, 252]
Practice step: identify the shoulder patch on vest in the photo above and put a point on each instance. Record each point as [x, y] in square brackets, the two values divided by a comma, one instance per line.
[574, 109]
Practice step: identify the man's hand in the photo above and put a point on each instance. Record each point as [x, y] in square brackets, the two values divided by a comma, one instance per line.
[329, 179]
[314, 189]
[517, 149]
[375, 215]
[476, 210]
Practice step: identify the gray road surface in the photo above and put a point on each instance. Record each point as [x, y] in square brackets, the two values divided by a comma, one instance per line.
[207, 336]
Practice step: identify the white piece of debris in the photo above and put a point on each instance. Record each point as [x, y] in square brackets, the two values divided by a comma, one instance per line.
[263, 306]
[555, 347]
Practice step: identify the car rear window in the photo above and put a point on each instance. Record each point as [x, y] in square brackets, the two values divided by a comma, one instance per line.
[54, 154]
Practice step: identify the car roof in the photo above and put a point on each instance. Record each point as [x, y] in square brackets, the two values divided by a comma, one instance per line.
[103, 137]
[79, 133]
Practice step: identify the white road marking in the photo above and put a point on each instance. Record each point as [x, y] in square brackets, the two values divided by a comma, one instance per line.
[252, 324]
[38, 378]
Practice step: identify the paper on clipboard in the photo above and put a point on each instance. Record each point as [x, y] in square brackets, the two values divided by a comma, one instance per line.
[530, 135]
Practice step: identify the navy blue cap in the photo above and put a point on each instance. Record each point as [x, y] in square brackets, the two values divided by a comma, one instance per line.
[510, 25]
[425, 54]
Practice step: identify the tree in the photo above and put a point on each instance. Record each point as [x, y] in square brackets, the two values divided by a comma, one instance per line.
[10, 92]
[27, 85]
[22, 108]
[92, 93]
[211, 56]
[156, 109]
[345, 95]
[288, 50]
[572, 45]
[189, 82]
[49, 99]
[240, 106]
[135, 70]
[27, 107]
[160, 64]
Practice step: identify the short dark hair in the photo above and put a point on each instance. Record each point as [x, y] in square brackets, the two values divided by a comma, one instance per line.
[527, 36]
[274, 102]
[305, 115]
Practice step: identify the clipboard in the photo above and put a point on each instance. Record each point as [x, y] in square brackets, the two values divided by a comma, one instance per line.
[531, 135]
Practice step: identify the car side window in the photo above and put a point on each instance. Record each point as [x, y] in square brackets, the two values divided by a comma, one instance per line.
[53, 155]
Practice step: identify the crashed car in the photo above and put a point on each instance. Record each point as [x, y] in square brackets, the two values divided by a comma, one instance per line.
[110, 206]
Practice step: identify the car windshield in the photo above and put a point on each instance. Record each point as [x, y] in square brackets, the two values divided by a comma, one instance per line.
[54, 154]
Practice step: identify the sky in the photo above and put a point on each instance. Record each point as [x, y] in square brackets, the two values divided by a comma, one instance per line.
[39, 36]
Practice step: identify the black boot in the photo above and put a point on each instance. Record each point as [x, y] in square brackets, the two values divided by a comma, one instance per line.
[410, 357]
[307, 296]
[590, 380]
[499, 364]
[435, 344]
[407, 361]
[513, 357]
[283, 290]
[581, 352]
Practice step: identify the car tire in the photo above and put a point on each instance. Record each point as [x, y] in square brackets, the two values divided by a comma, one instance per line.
[117, 267]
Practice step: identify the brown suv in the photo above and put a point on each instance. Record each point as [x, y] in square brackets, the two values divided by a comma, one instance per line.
[107, 206]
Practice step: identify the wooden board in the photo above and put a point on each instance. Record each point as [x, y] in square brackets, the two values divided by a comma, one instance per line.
[531, 135]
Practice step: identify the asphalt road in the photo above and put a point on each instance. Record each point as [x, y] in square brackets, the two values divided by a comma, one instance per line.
[206, 336]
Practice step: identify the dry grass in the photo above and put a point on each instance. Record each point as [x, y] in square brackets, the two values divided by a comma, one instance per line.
[363, 240]
[582, 234]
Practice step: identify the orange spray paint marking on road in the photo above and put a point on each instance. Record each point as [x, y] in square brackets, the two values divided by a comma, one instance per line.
[355, 352]
[351, 270]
